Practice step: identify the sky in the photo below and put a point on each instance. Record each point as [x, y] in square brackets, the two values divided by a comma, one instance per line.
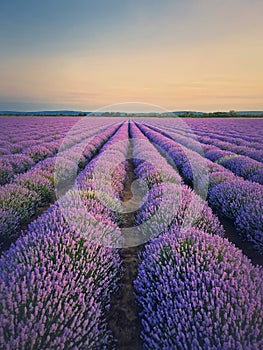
[202, 55]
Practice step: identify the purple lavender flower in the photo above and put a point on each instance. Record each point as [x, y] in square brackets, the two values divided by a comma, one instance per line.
[169, 205]
[9, 223]
[19, 162]
[243, 166]
[6, 172]
[241, 201]
[38, 152]
[198, 291]
[19, 198]
[55, 287]
[36, 182]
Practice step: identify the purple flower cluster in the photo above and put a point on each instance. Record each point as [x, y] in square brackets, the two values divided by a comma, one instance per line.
[151, 167]
[236, 145]
[95, 198]
[9, 222]
[169, 206]
[22, 136]
[17, 203]
[38, 182]
[241, 201]
[33, 144]
[255, 153]
[198, 291]
[215, 154]
[13, 164]
[192, 167]
[219, 177]
[6, 172]
[70, 160]
[168, 203]
[4, 150]
[36, 187]
[226, 192]
[171, 148]
[57, 279]
[103, 179]
[219, 132]
[38, 152]
[55, 288]
[243, 166]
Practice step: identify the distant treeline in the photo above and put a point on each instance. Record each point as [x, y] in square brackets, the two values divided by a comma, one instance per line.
[230, 114]
[219, 115]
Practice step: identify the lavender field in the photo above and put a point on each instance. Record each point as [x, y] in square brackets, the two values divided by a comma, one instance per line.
[140, 233]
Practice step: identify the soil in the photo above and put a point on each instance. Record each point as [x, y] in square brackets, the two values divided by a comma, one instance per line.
[246, 247]
[124, 319]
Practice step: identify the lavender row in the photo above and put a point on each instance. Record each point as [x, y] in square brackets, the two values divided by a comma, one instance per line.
[36, 150]
[198, 291]
[56, 281]
[23, 142]
[234, 144]
[243, 166]
[238, 131]
[250, 149]
[17, 134]
[168, 204]
[101, 184]
[109, 170]
[194, 168]
[20, 200]
[241, 130]
[151, 167]
[21, 133]
[99, 187]
[243, 204]
[55, 285]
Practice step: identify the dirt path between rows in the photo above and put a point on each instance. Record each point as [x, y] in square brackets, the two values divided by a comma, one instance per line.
[124, 319]
[246, 247]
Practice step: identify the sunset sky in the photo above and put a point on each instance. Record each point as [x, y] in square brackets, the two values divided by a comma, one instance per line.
[203, 55]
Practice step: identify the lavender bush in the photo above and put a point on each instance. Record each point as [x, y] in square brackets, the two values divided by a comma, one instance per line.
[229, 198]
[36, 182]
[198, 291]
[35, 187]
[241, 201]
[19, 198]
[17, 205]
[38, 152]
[168, 204]
[102, 178]
[55, 288]
[6, 172]
[243, 166]
[9, 222]
[176, 206]
[19, 162]
[240, 165]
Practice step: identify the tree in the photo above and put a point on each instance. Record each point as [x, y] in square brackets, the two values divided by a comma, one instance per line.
[232, 113]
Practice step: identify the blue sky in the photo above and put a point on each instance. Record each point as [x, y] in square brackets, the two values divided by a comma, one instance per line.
[193, 54]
